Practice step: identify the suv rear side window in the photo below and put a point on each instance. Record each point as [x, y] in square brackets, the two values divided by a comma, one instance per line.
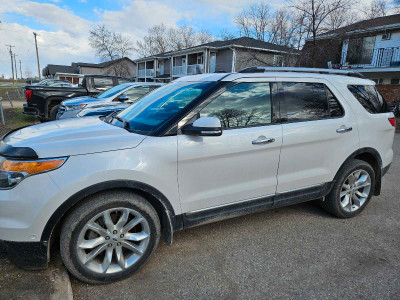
[307, 101]
[243, 105]
[369, 97]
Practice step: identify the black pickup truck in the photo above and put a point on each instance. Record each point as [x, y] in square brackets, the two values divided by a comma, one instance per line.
[43, 101]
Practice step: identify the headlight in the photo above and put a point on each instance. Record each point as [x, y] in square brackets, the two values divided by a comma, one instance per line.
[13, 172]
[75, 107]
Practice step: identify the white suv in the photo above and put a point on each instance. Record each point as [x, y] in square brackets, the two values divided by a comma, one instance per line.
[197, 150]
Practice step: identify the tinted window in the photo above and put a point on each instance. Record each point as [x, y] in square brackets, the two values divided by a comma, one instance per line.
[161, 105]
[102, 83]
[113, 91]
[310, 101]
[370, 98]
[136, 93]
[245, 104]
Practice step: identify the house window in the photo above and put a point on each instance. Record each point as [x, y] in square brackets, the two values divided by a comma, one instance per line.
[278, 61]
[200, 59]
[394, 81]
[386, 36]
[361, 50]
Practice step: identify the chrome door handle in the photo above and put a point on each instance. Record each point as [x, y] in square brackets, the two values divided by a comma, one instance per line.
[263, 141]
[344, 129]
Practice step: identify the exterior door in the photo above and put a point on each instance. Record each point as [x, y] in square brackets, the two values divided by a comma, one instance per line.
[213, 61]
[242, 163]
[320, 133]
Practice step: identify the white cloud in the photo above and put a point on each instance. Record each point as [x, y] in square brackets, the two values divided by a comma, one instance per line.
[49, 14]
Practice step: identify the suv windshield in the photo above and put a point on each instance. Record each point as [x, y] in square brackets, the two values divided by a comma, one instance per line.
[113, 91]
[161, 105]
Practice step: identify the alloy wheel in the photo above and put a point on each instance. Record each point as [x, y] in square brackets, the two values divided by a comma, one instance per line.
[355, 190]
[113, 240]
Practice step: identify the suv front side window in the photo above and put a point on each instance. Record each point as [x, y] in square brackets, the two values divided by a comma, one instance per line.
[243, 105]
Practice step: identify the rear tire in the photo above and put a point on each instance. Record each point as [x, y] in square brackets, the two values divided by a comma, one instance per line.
[100, 242]
[53, 112]
[352, 190]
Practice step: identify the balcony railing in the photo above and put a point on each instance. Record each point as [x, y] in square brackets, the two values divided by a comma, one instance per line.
[150, 73]
[179, 70]
[195, 69]
[141, 73]
[382, 57]
[191, 70]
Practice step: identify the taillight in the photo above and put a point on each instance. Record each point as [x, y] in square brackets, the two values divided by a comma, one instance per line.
[28, 95]
[392, 121]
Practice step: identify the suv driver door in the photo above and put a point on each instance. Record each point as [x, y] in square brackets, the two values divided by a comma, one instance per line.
[242, 163]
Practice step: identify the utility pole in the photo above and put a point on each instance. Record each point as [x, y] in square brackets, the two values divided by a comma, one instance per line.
[37, 56]
[20, 69]
[12, 63]
[15, 66]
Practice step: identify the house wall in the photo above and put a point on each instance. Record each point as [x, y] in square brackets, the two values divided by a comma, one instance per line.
[393, 42]
[224, 60]
[167, 66]
[250, 58]
[91, 71]
[390, 92]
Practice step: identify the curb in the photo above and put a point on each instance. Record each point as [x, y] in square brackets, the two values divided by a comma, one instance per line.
[59, 278]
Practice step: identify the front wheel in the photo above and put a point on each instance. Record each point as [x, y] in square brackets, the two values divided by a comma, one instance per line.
[53, 112]
[109, 237]
[352, 190]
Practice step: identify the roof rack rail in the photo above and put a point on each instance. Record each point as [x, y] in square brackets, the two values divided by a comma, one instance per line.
[302, 70]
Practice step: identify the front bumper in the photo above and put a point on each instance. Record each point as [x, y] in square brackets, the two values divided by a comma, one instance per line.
[67, 114]
[27, 255]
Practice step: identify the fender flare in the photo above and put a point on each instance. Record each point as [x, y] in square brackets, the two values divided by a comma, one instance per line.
[164, 208]
[377, 156]
[50, 100]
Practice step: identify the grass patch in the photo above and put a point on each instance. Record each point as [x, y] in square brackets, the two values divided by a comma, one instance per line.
[15, 119]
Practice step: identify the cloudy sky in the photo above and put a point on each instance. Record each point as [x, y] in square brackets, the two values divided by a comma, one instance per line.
[63, 25]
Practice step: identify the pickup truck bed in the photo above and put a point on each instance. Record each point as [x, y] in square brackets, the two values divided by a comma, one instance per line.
[44, 101]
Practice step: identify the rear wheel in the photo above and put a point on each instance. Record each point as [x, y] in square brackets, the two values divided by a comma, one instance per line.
[351, 191]
[109, 237]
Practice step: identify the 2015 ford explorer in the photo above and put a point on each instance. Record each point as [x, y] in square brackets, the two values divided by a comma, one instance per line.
[196, 150]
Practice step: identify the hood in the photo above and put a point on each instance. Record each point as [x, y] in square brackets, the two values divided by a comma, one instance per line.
[80, 100]
[73, 137]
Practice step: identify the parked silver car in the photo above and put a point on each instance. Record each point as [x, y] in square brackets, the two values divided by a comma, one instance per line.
[121, 93]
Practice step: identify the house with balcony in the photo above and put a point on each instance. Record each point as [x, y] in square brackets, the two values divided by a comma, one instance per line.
[371, 47]
[218, 56]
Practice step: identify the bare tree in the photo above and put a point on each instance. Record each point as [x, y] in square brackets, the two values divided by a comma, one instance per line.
[340, 18]
[161, 39]
[378, 8]
[109, 46]
[254, 21]
[317, 12]
[225, 34]
[283, 29]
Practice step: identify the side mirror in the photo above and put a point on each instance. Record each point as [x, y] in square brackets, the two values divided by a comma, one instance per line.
[205, 126]
[123, 98]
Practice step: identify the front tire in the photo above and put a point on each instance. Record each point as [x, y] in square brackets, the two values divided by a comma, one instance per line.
[352, 190]
[109, 237]
[53, 112]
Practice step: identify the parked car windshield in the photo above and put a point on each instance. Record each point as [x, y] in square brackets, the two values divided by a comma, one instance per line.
[113, 91]
[161, 105]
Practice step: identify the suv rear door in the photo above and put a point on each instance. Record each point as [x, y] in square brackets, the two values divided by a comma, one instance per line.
[319, 133]
[242, 163]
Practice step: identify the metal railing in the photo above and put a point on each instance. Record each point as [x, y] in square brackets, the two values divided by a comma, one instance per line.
[195, 69]
[179, 70]
[142, 73]
[149, 72]
[381, 57]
